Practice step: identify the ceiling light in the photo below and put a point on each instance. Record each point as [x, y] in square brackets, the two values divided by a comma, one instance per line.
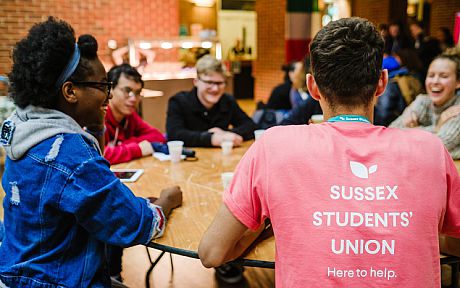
[112, 44]
[206, 44]
[166, 45]
[187, 45]
[203, 3]
[145, 45]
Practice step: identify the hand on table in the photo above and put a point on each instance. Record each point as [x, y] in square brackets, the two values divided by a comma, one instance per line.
[411, 120]
[169, 199]
[218, 137]
[216, 130]
[146, 148]
[447, 114]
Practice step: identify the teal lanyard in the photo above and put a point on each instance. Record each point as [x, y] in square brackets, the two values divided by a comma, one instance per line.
[349, 118]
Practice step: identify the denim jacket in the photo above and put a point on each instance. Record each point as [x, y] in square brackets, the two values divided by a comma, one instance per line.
[62, 205]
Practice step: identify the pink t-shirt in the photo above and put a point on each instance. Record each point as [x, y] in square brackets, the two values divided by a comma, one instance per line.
[352, 204]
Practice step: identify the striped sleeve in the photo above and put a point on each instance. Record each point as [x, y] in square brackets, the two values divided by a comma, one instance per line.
[158, 221]
[450, 136]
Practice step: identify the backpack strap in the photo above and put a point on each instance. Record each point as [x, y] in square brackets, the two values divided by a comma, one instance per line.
[410, 87]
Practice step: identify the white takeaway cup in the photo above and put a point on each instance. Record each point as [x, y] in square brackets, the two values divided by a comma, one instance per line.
[258, 133]
[227, 146]
[226, 179]
[175, 150]
[317, 118]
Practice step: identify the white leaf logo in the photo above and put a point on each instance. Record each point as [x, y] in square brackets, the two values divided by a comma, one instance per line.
[372, 169]
[360, 170]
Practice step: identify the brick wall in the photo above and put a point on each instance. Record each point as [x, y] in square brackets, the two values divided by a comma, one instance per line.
[105, 19]
[375, 11]
[443, 14]
[379, 11]
[270, 46]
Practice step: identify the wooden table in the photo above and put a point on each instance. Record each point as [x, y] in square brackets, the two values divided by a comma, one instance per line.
[202, 189]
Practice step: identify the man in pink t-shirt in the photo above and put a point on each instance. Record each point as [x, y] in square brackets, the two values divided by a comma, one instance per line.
[351, 204]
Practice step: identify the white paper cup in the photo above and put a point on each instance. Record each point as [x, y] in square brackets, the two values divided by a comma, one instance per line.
[317, 118]
[227, 147]
[258, 133]
[226, 179]
[175, 150]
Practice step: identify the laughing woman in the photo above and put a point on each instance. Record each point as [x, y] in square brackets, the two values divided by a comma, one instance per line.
[439, 110]
[62, 203]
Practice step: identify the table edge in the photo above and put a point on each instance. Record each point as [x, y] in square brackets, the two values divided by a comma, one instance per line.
[194, 254]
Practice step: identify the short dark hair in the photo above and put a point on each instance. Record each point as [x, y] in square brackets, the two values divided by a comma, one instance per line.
[129, 71]
[307, 64]
[449, 39]
[417, 23]
[346, 59]
[40, 58]
[383, 26]
[287, 68]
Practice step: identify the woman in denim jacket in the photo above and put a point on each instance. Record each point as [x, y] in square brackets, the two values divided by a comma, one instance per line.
[62, 203]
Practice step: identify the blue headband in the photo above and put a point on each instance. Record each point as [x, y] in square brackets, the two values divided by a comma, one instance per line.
[69, 68]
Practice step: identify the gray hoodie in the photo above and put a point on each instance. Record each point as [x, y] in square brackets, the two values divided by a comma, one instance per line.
[34, 124]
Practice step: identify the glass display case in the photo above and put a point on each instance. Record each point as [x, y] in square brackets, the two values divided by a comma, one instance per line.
[163, 79]
[142, 54]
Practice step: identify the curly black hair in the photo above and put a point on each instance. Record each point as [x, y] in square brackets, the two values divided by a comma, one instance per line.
[40, 58]
[346, 60]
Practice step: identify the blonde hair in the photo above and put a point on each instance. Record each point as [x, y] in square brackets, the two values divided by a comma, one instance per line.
[208, 64]
[452, 54]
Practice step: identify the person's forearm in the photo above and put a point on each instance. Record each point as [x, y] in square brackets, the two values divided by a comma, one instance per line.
[122, 153]
[226, 239]
[246, 240]
[398, 123]
[246, 130]
[165, 205]
[242, 123]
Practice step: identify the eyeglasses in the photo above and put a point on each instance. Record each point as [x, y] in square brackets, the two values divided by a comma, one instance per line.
[103, 86]
[212, 83]
[129, 92]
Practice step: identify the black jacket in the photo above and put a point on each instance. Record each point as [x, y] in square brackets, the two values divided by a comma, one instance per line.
[279, 98]
[303, 112]
[188, 120]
